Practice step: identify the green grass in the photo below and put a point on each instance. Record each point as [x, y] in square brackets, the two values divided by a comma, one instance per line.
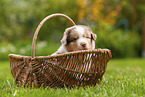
[123, 78]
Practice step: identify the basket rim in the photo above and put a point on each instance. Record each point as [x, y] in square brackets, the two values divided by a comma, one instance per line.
[64, 54]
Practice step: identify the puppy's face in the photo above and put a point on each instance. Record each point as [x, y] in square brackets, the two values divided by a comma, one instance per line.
[79, 38]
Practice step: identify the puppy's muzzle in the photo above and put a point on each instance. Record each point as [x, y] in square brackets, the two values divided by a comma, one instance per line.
[83, 45]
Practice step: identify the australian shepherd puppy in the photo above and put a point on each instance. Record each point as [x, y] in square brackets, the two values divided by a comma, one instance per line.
[75, 38]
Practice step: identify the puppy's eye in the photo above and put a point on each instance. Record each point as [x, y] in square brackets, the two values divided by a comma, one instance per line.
[75, 39]
[88, 37]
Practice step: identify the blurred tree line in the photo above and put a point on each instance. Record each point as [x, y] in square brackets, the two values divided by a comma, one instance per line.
[19, 18]
[118, 23]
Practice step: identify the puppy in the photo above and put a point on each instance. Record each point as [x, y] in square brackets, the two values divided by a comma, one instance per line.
[75, 38]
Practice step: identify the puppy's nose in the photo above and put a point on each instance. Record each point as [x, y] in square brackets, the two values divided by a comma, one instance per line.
[83, 44]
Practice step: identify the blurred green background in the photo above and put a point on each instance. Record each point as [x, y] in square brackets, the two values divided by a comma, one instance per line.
[117, 23]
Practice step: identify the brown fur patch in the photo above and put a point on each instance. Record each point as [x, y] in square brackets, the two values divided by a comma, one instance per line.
[72, 36]
[72, 46]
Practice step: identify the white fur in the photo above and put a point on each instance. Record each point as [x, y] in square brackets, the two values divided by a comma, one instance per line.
[80, 30]
[81, 38]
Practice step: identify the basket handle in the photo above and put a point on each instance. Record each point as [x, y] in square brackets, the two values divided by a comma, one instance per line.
[40, 25]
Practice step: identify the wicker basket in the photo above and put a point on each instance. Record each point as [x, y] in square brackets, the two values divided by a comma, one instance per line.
[79, 68]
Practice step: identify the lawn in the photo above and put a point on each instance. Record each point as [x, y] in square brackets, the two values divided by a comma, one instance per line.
[123, 78]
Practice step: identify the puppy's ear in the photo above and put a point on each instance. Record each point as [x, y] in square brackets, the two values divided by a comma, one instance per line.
[66, 33]
[93, 36]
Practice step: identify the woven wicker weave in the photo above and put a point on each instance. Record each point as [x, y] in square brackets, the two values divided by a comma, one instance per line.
[79, 68]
